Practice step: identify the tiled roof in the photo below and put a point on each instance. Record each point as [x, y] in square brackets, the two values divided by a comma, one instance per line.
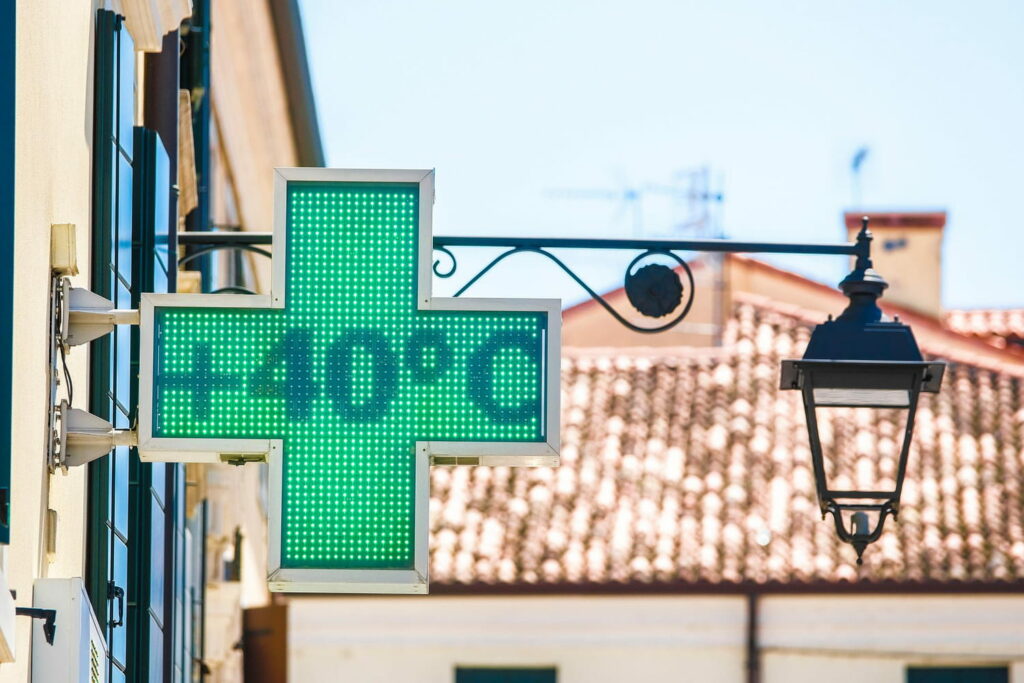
[895, 219]
[692, 468]
[1001, 327]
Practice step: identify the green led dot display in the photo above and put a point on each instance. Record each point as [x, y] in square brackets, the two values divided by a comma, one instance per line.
[349, 374]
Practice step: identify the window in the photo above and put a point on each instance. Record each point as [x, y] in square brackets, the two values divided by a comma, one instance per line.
[156, 510]
[958, 674]
[110, 357]
[505, 675]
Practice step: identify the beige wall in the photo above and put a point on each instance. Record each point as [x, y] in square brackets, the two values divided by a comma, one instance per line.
[912, 265]
[52, 170]
[252, 129]
[234, 502]
[611, 639]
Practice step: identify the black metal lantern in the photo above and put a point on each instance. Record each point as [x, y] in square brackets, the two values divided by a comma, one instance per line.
[860, 360]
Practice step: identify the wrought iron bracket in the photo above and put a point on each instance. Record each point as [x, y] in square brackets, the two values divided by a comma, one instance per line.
[587, 288]
[654, 290]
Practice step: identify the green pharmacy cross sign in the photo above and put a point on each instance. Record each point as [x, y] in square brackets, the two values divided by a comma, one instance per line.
[350, 380]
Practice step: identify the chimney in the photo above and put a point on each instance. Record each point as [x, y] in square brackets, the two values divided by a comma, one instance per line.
[907, 252]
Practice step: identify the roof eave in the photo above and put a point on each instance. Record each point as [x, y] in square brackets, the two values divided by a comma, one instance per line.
[795, 587]
[291, 47]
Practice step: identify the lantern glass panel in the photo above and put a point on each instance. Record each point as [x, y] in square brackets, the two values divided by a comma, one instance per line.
[863, 385]
[834, 396]
[861, 447]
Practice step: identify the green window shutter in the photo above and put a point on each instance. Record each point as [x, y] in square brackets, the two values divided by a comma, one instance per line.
[104, 110]
[7, 75]
[110, 356]
[150, 559]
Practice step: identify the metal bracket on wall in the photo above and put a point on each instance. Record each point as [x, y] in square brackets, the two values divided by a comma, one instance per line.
[85, 316]
[77, 437]
[81, 437]
[48, 615]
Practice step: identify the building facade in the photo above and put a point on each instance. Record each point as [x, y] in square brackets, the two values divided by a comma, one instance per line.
[152, 118]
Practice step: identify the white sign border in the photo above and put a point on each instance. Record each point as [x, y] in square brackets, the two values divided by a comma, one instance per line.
[521, 454]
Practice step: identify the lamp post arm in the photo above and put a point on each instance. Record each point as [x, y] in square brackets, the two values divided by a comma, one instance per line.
[859, 248]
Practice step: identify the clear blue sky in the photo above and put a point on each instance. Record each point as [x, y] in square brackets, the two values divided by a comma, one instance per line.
[509, 101]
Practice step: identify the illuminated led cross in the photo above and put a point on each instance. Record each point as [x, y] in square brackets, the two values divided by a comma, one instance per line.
[351, 378]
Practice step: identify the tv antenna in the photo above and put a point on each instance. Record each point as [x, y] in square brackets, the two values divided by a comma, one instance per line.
[856, 163]
[690, 200]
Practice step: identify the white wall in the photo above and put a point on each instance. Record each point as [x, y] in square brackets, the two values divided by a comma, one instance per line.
[650, 638]
[589, 640]
[53, 111]
[875, 638]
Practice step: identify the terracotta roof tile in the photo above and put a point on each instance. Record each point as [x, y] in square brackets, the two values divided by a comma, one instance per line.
[693, 468]
[1003, 328]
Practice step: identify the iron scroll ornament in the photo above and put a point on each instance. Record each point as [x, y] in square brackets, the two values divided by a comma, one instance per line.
[636, 291]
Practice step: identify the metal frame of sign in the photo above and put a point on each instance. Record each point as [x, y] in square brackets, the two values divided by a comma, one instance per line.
[522, 454]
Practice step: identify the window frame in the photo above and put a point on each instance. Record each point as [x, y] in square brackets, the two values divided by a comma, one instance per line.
[500, 674]
[987, 673]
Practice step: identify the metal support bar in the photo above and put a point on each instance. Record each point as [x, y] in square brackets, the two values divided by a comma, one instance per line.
[84, 437]
[86, 316]
[720, 246]
[114, 316]
[225, 237]
[48, 615]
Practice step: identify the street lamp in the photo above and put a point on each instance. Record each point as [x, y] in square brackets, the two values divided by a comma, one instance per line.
[860, 360]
